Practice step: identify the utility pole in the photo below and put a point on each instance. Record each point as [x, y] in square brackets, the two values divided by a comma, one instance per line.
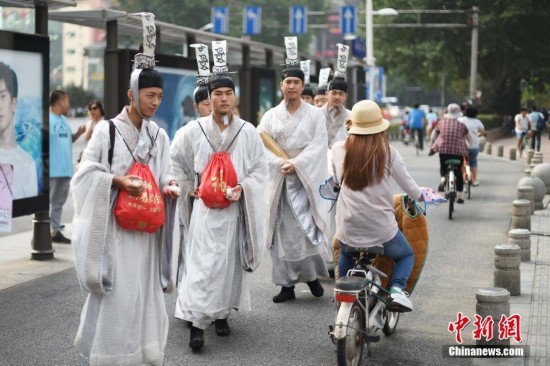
[473, 57]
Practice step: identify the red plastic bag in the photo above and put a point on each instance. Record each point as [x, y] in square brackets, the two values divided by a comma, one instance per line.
[143, 212]
[217, 176]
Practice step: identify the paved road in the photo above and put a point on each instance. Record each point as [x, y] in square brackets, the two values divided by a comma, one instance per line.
[39, 318]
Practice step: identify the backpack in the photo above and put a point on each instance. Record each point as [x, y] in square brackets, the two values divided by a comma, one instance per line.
[139, 213]
[218, 175]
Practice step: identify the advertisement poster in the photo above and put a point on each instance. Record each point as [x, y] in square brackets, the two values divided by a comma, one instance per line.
[6, 197]
[21, 120]
[176, 108]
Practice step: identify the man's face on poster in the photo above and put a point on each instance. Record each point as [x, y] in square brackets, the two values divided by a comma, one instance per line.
[8, 105]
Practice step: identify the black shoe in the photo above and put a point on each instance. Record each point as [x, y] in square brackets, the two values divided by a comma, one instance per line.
[287, 293]
[196, 338]
[460, 200]
[60, 238]
[316, 288]
[222, 328]
[441, 187]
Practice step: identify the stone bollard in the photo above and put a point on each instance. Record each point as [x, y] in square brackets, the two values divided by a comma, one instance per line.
[493, 302]
[539, 156]
[526, 193]
[539, 190]
[536, 160]
[507, 274]
[530, 154]
[521, 215]
[521, 238]
[500, 150]
[527, 172]
[488, 148]
[542, 171]
[512, 154]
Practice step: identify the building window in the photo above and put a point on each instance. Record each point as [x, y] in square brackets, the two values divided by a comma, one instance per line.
[71, 51]
[71, 69]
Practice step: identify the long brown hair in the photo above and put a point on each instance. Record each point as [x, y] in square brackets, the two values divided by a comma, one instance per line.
[365, 160]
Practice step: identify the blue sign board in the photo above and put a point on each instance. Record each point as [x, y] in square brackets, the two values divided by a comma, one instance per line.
[298, 19]
[220, 19]
[252, 20]
[379, 84]
[358, 48]
[348, 17]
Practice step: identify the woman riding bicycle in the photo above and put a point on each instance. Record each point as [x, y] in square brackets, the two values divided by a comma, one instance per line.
[450, 142]
[364, 164]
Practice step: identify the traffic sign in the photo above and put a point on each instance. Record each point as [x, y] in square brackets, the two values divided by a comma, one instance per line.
[220, 19]
[348, 19]
[252, 20]
[358, 48]
[298, 19]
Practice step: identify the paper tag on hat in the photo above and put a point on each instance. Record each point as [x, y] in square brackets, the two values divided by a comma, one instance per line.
[323, 77]
[203, 62]
[341, 61]
[219, 51]
[147, 58]
[305, 66]
[291, 45]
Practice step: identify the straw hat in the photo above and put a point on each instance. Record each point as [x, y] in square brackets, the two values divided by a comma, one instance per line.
[453, 111]
[366, 119]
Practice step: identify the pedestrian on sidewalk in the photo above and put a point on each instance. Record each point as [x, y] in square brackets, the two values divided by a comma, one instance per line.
[539, 123]
[61, 160]
[297, 227]
[125, 271]
[476, 128]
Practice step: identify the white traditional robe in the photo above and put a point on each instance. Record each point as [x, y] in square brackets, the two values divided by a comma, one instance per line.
[336, 126]
[222, 245]
[124, 320]
[297, 216]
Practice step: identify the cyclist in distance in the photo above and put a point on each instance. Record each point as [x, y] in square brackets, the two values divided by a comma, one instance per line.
[363, 164]
[449, 140]
[476, 128]
[523, 125]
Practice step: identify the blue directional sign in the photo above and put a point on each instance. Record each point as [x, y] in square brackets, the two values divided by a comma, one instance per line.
[298, 19]
[220, 19]
[358, 48]
[252, 20]
[348, 17]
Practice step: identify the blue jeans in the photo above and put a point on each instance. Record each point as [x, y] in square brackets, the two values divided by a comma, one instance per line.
[420, 133]
[397, 249]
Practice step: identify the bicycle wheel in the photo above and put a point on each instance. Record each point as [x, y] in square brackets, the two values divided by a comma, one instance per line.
[392, 318]
[349, 351]
[452, 197]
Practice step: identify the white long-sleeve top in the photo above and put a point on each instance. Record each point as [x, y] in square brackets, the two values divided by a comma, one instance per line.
[365, 218]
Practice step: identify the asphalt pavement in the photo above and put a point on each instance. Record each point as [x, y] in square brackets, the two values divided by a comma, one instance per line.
[41, 301]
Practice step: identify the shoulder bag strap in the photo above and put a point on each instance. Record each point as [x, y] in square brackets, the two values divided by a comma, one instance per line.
[202, 129]
[234, 138]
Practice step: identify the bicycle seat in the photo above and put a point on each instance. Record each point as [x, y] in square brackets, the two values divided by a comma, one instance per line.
[354, 250]
[453, 162]
[351, 283]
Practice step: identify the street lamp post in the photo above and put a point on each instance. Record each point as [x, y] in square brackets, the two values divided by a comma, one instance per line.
[370, 56]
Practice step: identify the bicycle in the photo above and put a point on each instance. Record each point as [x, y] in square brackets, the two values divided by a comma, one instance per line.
[524, 143]
[361, 308]
[468, 181]
[450, 183]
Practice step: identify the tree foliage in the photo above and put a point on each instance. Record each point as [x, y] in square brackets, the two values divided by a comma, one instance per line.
[512, 37]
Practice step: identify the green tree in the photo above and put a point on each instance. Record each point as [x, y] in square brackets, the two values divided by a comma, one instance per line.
[511, 39]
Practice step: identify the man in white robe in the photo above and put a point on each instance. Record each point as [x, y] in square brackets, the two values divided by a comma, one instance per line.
[335, 111]
[124, 319]
[297, 214]
[222, 244]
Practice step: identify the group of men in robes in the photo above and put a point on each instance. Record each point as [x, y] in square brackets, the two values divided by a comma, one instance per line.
[126, 272]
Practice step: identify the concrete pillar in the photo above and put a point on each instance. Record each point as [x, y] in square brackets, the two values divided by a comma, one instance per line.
[539, 155]
[542, 171]
[539, 189]
[500, 150]
[521, 214]
[507, 274]
[488, 148]
[512, 154]
[527, 172]
[527, 193]
[521, 238]
[493, 302]
[530, 154]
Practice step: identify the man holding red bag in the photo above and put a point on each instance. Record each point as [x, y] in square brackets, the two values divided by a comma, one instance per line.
[125, 270]
[219, 164]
